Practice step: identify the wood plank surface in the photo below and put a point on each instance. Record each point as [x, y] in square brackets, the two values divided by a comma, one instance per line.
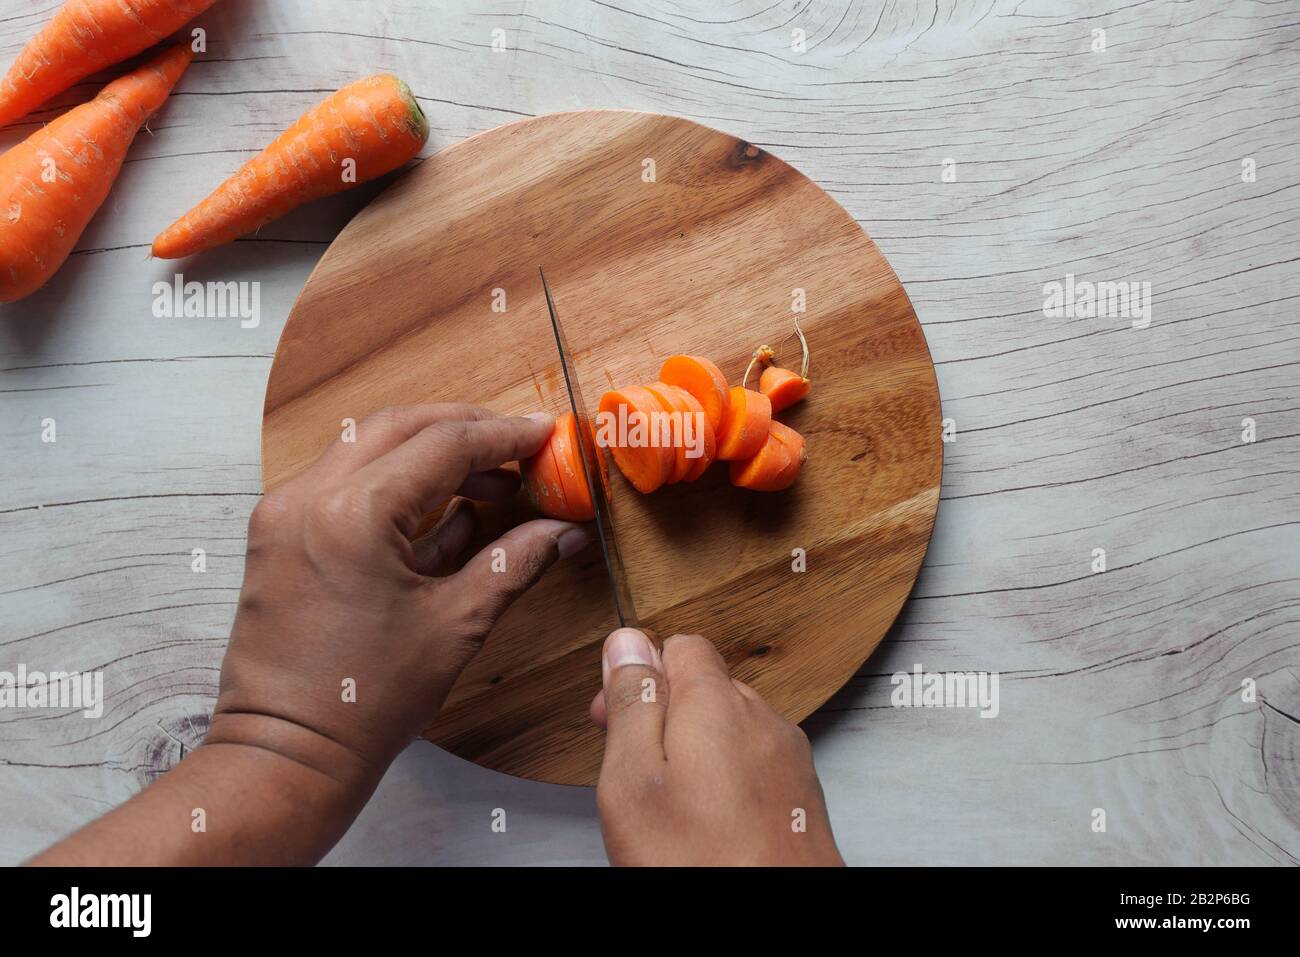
[1119, 690]
[661, 236]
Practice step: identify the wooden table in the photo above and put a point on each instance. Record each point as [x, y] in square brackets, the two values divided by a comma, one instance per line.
[990, 150]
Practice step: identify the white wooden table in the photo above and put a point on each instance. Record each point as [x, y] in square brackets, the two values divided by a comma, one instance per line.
[1120, 690]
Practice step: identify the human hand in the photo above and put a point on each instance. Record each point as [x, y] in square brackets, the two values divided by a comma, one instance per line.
[698, 769]
[348, 635]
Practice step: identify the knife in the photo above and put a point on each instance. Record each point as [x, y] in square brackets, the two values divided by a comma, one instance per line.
[623, 606]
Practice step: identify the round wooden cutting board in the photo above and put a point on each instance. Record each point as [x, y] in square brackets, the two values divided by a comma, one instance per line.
[658, 236]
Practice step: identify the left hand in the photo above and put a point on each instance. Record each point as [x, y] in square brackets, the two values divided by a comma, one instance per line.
[337, 595]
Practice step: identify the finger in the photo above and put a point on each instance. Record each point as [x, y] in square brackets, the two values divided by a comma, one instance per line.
[437, 553]
[505, 569]
[635, 700]
[690, 660]
[382, 431]
[423, 471]
[493, 485]
[596, 710]
[746, 691]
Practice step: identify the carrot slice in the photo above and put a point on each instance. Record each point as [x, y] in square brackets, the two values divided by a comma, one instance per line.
[568, 459]
[671, 397]
[554, 478]
[541, 478]
[702, 379]
[784, 387]
[700, 427]
[745, 426]
[776, 465]
[628, 427]
[798, 449]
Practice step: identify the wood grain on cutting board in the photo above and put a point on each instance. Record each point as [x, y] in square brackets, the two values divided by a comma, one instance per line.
[701, 258]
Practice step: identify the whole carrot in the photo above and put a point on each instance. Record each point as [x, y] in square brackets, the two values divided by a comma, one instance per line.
[359, 133]
[85, 36]
[52, 183]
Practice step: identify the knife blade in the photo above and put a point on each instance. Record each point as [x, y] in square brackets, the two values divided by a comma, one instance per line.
[618, 583]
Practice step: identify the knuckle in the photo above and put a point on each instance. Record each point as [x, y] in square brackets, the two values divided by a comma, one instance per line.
[271, 511]
[384, 418]
[343, 508]
[798, 738]
[449, 434]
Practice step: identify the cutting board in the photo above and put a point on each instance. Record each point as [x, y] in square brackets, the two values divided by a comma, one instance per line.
[658, 236]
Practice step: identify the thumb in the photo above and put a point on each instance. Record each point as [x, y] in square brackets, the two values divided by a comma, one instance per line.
[635, 699]
[512, 564]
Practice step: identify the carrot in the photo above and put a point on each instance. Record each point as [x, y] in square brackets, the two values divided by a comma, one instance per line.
[702, 379]
[776, 465]
[375, 123]
[629, 429]
[83, 37]
[52, 183]
[670, 398]
[542, 482]
[745, 426]
[700, 464]
[783, 386]
[554, 477]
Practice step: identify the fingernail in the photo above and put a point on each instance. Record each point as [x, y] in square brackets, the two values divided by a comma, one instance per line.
[627, 646]
[541, 417]
[572, 541]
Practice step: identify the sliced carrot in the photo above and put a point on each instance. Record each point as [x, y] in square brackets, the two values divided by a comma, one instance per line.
[568, 460]
[554, 477]
[375, 123]
[53, 182]
[82, 38]
[784, 387]
[542, 481]
[798, 449]
[702, 379]
[745, 426]
[776, 465]
[671, 397]
[628, 428]
[602, 467]
[700, 426]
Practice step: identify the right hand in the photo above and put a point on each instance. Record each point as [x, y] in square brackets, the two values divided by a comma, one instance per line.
[698, 769]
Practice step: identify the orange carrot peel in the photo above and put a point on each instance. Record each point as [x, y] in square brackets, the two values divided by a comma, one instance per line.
[776, 465]
[52, 183]
[745, 426]
[783, 386]
[555, 479]
[361, 132]
[82, 38]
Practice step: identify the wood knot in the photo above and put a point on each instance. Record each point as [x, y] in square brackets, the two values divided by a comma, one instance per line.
[745, 154]
[171, 741]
